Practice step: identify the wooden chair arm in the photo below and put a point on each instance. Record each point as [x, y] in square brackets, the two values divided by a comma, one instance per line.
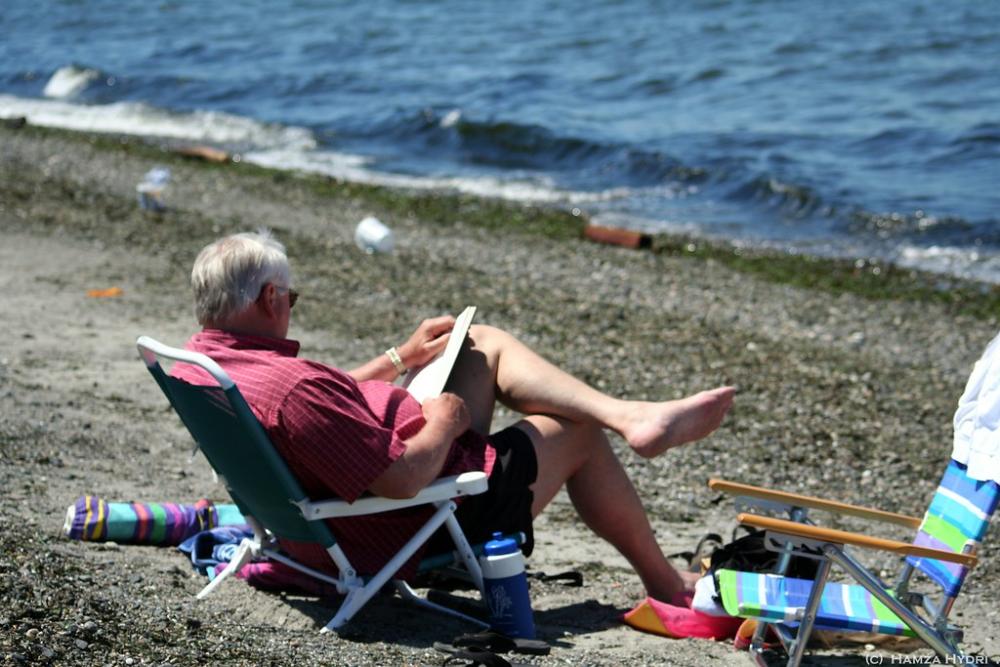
[855, 539]
[794, 499]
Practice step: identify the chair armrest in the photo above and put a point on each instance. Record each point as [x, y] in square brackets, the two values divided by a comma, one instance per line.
[466, 484]
[855, 539]
[795, 500]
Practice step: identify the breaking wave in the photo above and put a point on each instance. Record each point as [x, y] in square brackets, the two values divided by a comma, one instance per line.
[135, 118]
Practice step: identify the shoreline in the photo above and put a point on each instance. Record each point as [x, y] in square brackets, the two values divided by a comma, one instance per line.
[839, 395]
[870, 278]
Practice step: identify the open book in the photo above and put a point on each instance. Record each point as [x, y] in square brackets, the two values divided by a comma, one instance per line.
[428, 381]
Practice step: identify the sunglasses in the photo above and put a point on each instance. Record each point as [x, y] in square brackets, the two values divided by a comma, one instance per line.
[293, 295]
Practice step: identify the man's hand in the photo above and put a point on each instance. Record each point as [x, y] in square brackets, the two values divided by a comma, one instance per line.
[427, 341]
[448, 413]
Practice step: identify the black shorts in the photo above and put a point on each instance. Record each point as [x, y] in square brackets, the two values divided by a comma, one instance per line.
[506, 504]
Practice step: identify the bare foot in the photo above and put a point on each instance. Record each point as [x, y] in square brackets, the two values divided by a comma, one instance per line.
[679, 592]
[656, 427]
[689, 579]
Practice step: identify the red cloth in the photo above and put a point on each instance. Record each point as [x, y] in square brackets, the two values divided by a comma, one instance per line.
[270, 575]
[336, 435]
[680, 621]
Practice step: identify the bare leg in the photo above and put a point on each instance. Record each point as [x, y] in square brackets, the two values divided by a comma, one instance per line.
[495, 365]
[579, 456]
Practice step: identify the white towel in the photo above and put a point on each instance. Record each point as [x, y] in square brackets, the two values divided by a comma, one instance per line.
[977, 420]
[704, 597]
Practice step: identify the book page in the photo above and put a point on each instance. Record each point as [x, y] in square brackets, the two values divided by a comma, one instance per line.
[428, 381]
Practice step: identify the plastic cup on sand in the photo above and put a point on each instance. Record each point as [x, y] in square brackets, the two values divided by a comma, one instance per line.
[372, 236]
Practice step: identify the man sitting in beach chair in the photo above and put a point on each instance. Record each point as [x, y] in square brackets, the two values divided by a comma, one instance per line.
[350, 432]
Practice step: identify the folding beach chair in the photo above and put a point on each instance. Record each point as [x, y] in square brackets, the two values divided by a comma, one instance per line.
[943, 550]
[271, 499]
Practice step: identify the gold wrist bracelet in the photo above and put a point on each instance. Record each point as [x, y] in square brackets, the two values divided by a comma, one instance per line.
[396, 360]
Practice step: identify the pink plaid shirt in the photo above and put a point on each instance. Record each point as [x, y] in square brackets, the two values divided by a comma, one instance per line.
[337, 436]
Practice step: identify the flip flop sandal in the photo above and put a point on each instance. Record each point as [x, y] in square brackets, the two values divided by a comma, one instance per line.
[703, 551]
[570, 578]
[498, 642]
[706, 545]
[472, 656]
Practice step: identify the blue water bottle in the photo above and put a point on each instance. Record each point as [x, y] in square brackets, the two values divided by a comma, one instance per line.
[506, 588]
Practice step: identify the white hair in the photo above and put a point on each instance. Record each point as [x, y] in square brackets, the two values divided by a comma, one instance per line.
[229, 274]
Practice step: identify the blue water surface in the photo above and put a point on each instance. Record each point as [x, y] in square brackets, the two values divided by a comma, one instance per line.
[862, 128]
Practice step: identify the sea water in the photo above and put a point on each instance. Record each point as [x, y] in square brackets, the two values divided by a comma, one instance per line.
[861, 129]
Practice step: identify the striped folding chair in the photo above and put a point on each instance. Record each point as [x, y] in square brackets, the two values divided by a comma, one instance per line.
[943, 551]
[271, 499]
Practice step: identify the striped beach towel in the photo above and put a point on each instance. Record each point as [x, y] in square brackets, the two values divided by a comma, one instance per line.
[95, 520]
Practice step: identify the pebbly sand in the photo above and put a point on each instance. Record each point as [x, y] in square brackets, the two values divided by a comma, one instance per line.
[839, 396]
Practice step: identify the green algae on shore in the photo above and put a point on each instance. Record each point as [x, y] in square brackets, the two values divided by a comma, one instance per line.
[868, 278]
